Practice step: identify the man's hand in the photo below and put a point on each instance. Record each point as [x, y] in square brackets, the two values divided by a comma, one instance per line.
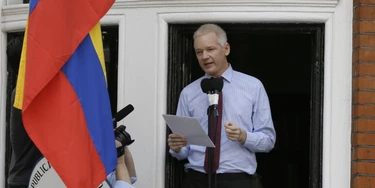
[176, 142]
[234, 133]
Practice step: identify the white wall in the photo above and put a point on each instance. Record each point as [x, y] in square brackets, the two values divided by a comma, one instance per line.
[13, 2]
[3, 80]
[143, 69]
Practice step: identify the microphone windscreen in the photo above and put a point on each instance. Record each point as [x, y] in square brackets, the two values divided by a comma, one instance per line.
[217, 83]
[206, 85]
[124, 112]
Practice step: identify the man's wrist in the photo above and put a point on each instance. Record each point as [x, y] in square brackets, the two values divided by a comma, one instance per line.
[243, 136]
[120, 151]
[176, 151]
[121, 161]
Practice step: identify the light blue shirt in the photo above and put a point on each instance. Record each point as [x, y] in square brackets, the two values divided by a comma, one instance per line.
[246, 104]
[111, 179]
[122, 184]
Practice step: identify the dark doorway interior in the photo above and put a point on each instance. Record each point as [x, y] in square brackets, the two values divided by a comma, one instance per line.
[287, 58]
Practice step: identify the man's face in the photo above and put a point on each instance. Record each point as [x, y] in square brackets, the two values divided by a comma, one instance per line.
[211, 55]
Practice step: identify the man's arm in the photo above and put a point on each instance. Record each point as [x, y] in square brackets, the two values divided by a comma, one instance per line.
[129, 163]
[263, 137]
[122, 173]
[178, 147]
[176, 142]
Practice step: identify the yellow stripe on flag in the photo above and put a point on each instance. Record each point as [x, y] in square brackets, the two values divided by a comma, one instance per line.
[96, 38]
[18, 100]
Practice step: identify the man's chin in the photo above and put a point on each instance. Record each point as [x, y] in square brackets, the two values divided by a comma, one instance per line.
[211, 74]
[210, 70]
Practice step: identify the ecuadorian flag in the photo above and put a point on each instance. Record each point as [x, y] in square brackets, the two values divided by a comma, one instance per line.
[62, 90]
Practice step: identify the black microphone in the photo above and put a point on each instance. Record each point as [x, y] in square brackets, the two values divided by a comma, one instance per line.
[212, 87]
[217, 84]
[123, 113]
[206, 85]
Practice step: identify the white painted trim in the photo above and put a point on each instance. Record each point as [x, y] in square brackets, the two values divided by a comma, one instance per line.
[162, 46]
[120, 4]
[340, 98]
[13, 26]
[121, 59]
[253, 17]
[18, 23]
[113, 19]
[3, 86]
[327, 108]
[17, 9]
[333, 175]
[19, 12]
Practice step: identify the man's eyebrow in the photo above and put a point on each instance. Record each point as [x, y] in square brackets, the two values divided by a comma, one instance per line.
[210, 46]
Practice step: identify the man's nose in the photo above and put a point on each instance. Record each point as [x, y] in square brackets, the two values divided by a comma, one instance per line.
[205, 55]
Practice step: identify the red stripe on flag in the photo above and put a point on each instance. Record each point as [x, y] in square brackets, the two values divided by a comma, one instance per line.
[57, 125]
[55, 29]
[52, 113]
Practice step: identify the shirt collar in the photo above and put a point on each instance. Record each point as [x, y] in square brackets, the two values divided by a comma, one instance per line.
[227, 74]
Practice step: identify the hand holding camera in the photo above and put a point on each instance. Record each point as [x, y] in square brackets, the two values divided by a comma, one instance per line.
[124, 137]
[120, 133]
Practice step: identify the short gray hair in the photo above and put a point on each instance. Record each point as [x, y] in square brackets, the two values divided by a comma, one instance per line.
[209, 28]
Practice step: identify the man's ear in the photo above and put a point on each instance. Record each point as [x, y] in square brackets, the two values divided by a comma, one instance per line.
[227, 49]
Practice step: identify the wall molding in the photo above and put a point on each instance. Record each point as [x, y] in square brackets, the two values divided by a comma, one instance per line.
[18, 9]
[225, 3]
[22, 9]
[14, 17]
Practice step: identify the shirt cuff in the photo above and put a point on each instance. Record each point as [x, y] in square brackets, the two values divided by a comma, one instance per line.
[251, 141]
[133, 179]
[180, 155]
[122, 184]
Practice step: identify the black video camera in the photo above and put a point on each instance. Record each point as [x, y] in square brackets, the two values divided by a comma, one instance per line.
[124, 137]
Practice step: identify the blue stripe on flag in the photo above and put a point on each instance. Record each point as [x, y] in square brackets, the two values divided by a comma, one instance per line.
[85, 73]
[32, 5]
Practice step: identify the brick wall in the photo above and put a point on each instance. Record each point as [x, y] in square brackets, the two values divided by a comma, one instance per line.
[363, 131]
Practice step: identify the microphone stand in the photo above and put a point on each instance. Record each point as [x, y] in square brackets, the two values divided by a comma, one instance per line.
[213, 114]
[212, 86]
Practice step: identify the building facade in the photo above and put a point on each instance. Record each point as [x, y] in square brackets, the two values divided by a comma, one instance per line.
[363, 108]
[346, 83]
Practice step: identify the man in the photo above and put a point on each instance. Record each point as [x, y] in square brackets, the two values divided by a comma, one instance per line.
[246, 117]
[124, 175]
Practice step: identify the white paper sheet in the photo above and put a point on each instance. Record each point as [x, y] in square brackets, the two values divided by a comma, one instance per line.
[189, 128]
